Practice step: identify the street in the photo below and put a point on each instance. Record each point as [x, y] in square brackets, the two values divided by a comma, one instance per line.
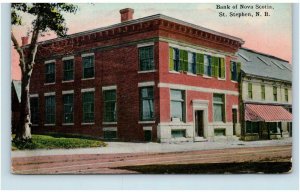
[117, 163]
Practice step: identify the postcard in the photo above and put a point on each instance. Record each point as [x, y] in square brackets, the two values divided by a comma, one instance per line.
[151, 88]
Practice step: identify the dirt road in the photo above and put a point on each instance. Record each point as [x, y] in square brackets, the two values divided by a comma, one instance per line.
[114, 163]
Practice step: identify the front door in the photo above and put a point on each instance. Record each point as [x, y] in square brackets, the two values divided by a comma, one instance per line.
[234, 120]
[199, 125]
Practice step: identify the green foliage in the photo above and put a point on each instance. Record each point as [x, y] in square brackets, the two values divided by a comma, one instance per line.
[48, 16]
[50, 142]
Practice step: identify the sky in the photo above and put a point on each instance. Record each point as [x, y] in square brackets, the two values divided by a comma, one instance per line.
[268, 34]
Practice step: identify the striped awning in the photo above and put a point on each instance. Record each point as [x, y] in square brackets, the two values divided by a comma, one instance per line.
[267, 113]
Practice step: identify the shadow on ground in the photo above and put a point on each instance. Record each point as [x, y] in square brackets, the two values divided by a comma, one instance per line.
[213, 168]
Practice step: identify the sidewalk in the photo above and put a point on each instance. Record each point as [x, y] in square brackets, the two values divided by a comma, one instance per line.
[127, 147]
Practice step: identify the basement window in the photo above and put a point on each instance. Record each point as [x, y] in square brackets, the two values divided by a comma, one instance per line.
[110, 134]
[219, 132]
[178, 133]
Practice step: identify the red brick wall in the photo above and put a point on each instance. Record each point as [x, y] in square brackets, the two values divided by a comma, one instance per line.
[117, 64]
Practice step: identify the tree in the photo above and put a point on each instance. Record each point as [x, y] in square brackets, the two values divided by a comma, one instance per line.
[47, 17]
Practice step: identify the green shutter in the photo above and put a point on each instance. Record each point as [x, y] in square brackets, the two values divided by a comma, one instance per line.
[222, 60]
[231, 69]
[215, 66]
[181, 61]
[238, 68]
[200, 64]
[171, 61]
[185, 60]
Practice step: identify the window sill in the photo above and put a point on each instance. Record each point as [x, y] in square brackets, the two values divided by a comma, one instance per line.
[49, 124]
[49, 83]
[109, 123]
[148, 71]
[192, 74]
[83, 79]
[221, 79]
[206, 77]
[144, 122]
[69, 81]
[68, 124]
[234, 81]
[87, 123]
[174, 72]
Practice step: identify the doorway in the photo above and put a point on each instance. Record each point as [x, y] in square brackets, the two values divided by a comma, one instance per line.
[199, 123]
[234, 120]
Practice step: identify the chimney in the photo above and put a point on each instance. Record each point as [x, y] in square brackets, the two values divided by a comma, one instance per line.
[24, 40]
[126, 14]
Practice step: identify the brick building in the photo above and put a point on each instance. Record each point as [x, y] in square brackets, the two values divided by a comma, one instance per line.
[154, 78]
[266, 96]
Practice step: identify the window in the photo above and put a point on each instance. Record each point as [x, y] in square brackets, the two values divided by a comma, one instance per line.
[235, 68]
[34, 110]
[275, 93]
[50, 109]
[220, 62]
[252, 127]
[192, 62]
[263, 92]
[68, 107]
[219, 132]
[177, 104]
[146, 58]
[68, 70]
[88, 107]
[110, 134]
[250, 95]
[50, 73]
[88, 67]
[286, 94]
[219, 108]
[110, 106]
[146, 103]
[207, 65]
[174, 59]
[178, 133]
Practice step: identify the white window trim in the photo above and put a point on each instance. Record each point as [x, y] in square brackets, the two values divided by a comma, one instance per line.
[90, 123]
[207, 77]
[109, 123]
[49, 124]
[68, 92]
[191, 74]
[149, 71]
[196, 88]
[88, 90]
[91, 78]
[235, 107]
[68, 58]
[69, 81]
[144, 122]
[34, 95]
[174, 72]
[110, 129]
[110, 87]
[49, 94]
[145, 44]
[49, 83]
[186, 48]
[87, 54]
[146, 84]
[50, 61]
[147, 128]
[67, 124]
